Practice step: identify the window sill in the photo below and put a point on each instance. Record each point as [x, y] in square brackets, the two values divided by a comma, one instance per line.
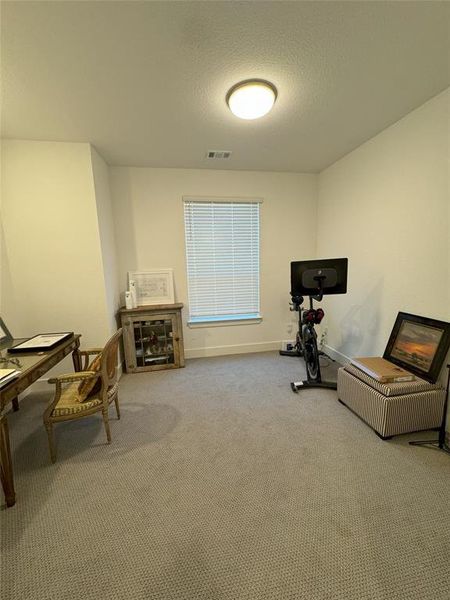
[224, 322]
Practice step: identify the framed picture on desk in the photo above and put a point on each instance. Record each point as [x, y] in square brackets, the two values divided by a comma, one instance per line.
[41, 342]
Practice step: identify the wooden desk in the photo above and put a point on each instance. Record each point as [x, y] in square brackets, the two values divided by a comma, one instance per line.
[32, 367]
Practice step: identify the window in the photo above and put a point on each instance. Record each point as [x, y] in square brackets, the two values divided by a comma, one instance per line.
[222, 253]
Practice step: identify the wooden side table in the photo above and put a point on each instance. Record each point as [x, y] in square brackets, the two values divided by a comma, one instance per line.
[153, 337]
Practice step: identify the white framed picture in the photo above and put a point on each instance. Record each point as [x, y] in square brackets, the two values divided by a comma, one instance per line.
[153, 287]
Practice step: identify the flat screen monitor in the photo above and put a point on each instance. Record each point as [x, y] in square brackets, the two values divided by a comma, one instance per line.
[319, 277]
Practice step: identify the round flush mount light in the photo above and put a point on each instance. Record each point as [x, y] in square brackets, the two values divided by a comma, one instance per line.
[251, 99]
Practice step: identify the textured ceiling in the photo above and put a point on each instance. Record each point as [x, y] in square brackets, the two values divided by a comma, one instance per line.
[145, 82]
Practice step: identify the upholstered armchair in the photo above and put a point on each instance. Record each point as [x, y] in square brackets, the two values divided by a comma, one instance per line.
[86, 392]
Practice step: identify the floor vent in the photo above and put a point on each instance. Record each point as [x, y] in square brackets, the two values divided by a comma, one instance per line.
[219, 154]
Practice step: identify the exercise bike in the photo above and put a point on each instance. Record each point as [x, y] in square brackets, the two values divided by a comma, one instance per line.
[306, 345]
[313, 278]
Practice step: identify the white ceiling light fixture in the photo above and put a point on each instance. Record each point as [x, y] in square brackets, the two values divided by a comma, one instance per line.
[251, 99]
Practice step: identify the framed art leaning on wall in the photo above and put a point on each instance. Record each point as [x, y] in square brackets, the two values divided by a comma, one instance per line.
[153, 287]
[419, 345]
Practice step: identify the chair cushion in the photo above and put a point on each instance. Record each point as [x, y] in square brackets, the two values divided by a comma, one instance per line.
[70, 402]
[91, 387]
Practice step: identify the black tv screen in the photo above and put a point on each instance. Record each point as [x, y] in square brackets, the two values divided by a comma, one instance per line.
[325, 275]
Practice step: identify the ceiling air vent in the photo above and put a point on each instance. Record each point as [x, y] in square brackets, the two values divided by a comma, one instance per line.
[218, 154]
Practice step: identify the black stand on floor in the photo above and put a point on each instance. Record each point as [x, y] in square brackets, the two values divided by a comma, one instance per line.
[298, 353]
[440, 442]
[290, 353]
[302, 385]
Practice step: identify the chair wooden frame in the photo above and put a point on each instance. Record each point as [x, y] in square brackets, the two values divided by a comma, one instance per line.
[108, 391]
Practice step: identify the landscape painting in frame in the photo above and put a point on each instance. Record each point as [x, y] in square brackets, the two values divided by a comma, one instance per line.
[419, 344]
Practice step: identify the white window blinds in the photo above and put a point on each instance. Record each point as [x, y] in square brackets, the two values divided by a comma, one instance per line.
[222, 252]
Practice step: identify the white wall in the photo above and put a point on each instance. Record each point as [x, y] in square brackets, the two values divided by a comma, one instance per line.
[52, 270]
[150, 234]
[100, 173]
[386, 207]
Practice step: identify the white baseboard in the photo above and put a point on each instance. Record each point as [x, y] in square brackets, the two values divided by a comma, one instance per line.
[336, 355]
[41, 385]
[254, 347]
[234, 349]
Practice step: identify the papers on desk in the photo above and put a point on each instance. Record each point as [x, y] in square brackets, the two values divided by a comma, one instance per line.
[6, 375]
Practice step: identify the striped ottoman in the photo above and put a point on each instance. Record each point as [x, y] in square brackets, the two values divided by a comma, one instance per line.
[391, 408]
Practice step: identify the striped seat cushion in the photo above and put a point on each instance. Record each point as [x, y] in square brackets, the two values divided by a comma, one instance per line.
[393, 389]
[71, 403]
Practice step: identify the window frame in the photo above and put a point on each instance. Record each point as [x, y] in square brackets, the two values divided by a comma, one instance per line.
[253, 318]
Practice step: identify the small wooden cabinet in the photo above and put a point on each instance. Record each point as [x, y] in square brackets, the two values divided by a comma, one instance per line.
[153, 337]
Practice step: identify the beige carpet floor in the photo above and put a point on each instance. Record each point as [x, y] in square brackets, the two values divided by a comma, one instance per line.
[221, 484]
